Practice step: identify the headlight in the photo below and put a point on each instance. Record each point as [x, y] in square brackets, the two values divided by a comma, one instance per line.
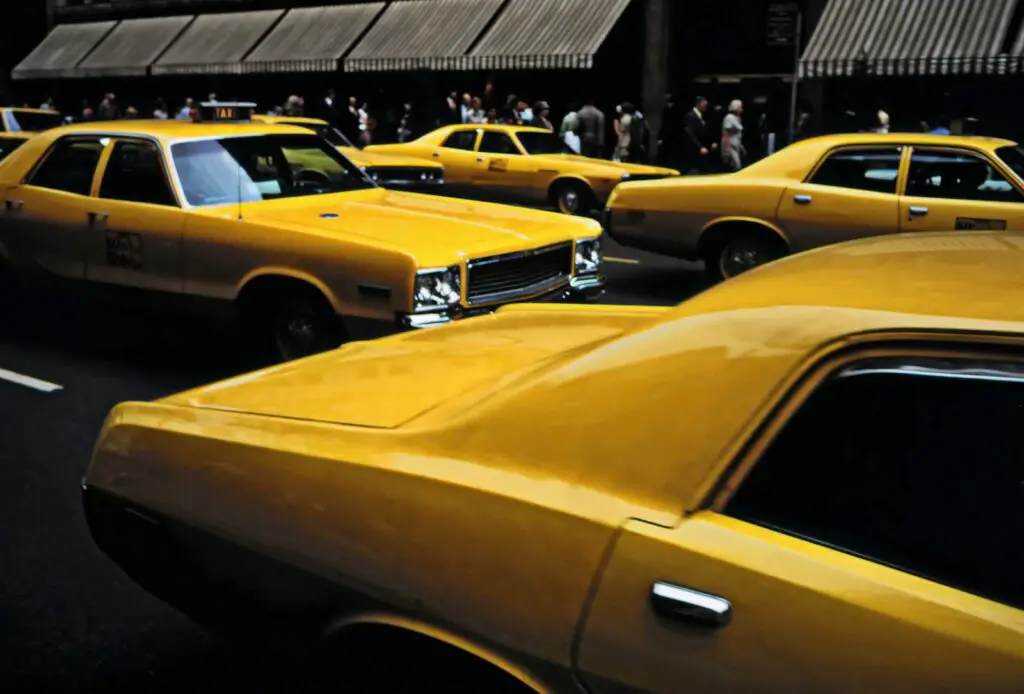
[588, 256]
[437, 289]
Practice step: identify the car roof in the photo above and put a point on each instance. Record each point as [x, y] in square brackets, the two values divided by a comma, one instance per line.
[170, 130]
[490, 127]
[987, 143]
[941, 277]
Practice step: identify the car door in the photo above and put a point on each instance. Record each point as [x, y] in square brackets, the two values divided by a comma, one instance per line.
[951, 188]
[136, 223]
[457, 155]
[851, 194]
[872, 544]
[45, 218]
[502, 171]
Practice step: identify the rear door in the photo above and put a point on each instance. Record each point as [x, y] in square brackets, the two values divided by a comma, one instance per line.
[46, 218]
[950, 188]
[869, 542]
[136, 223]
[851, 194]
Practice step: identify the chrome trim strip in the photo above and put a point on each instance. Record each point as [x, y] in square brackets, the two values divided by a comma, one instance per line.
[970, 370]
[488, 260]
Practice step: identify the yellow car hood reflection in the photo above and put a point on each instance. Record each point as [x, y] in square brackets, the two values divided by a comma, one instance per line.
[360, 157]
[391, 381]
[417, 224]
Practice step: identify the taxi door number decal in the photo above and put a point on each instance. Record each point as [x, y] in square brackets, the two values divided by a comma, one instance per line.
[124, 250]
[970, 224]
[498, 165]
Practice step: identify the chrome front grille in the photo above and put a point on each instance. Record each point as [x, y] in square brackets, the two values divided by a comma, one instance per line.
[518, 275]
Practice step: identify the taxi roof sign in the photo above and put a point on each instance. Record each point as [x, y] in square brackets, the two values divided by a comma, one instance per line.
[235, 111]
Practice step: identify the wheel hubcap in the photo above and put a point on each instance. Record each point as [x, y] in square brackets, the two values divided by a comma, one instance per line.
[740, 257]
[570, 200]
[297, 338]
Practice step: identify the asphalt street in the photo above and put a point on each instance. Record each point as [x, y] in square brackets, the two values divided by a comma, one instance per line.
[69, 619]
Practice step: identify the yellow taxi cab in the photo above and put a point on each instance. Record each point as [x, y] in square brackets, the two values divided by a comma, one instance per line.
[824, 190]
[805, 480]
[18, 125]
[389, 170]
[273, 222]
[521, 164]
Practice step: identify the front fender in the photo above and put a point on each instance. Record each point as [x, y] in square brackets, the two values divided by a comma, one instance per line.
[290, 273]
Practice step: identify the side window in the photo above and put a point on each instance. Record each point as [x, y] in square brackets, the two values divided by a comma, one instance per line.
[497, 143]
[874, 170]
[957, 176]
[461, 139]
[69, 166]
[134, 173]
[915, 465]
[9, 144]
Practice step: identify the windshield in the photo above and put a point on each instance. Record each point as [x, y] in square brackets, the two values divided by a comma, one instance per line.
[32, 122]
[262, 167]
[1013, 157]
[332, 135]
[542, 143]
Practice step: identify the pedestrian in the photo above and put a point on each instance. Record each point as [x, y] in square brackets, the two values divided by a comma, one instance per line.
[160, 110]
[328, 110]
[670, 137]
[466, 107]
[131, 113]
[405, 124]
[591, 130]
[366, 125]
[623, 130]
[185, 113]
[451, 111]
[293, 106]
[48, 105]
[108, 108]
[944, 126]
[732, 137]
[697, 146]
[569, 130]
[639, 135]
[541, 114]
[881, 123]
[475, 114]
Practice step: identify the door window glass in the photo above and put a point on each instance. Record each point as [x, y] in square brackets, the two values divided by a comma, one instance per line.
[69, 166]
[9, 144]
[497, 143]
[873, 170]
[957, 176]
[461, 139]
[913, 465]
[134, 173]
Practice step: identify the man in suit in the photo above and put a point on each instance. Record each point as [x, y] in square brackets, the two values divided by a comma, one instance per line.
[591, 122]
[696, 143]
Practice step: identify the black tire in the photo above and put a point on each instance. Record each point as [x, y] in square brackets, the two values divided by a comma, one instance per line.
[294, 324]
[573, 197]
[741, 250]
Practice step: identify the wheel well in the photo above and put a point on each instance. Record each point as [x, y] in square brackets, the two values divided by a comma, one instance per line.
[717, 234]
[560, 183]
[260, 289]
[385, 658]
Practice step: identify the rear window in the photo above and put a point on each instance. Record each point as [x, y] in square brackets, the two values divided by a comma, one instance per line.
[31, 122]
[9, 144]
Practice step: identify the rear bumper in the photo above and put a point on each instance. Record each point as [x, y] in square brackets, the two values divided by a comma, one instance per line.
[579, 290]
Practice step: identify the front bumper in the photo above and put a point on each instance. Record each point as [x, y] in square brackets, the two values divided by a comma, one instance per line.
[579, 290]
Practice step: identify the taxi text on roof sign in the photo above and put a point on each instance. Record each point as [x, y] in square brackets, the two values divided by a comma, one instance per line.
[238, 111]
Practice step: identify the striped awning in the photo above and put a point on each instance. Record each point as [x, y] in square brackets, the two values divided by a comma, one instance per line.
[909, 37]
[532, 34]
[312, 39]
[132, 47]
[422, 34]
[216, 43]
[61, 51]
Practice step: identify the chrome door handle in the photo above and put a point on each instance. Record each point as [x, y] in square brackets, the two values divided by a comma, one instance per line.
[14, 204]
[480, 160]
[97, 217]
[677, 602]
[436, 154]
[916, 211]
[802, 199]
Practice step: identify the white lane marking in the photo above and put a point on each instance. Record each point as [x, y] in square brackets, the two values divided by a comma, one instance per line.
[624, 261]
[29, 382]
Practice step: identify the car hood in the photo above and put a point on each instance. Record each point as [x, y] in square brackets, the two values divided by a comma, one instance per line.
[435, 230]
[360, 157]
[617, 165]
[389, 382]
